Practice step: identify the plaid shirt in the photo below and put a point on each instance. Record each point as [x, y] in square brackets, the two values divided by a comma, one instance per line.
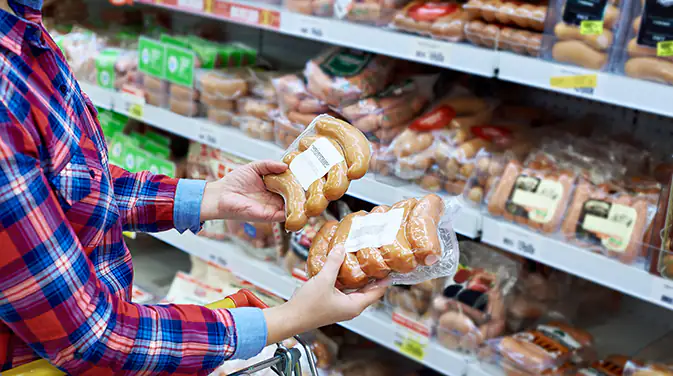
[65, 272]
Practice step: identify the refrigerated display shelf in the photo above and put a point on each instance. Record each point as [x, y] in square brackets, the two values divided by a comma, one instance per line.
[609, 88]
[374, 325]
[471, 222]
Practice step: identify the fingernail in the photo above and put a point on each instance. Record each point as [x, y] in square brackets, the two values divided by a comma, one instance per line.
[431, 260]
[339, 249]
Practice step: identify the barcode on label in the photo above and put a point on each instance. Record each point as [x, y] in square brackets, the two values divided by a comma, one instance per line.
[319, 156]
[374, 230]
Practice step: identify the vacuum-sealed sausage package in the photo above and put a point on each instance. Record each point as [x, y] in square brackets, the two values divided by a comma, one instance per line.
[538, 351]
[378, 12]
[322, 162]
[443, 20]
[473, 305]
[585, 34]
[341, 76]
[294, 97]
[449, 120]
[384, 115]
[411, 241]
[414, 301]
[259, 108]
[523, 42]
[284, 130]
[294, 261]
[254, 127]
[264, 241]
[525, 15]
[641, 57]
[610, 219]
[320, 8]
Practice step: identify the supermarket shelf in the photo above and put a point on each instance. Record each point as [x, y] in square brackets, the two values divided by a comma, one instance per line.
[462, 57]
[610, 88]
[632, 280]
[380, 191]
[377, 326]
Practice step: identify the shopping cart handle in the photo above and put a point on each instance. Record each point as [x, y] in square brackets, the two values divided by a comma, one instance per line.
[242, 298]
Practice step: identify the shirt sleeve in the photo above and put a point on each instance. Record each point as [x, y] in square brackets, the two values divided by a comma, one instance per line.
[187, 209]
[51, 297]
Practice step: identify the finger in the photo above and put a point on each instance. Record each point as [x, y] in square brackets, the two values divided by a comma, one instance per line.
[368, 296]
[278, 216]
[333, 263]
[267, 167]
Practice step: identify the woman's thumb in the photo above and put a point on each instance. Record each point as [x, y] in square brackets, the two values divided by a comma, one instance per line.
[333, 263]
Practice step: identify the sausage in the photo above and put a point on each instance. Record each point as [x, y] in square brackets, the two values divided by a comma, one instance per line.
[337, 181]
[578, 53]
[649, 68]
[611, 16]
[316, 202]
[350, 275]
[422, 229]
[399, 256]
[371, 260]
[599, 42]
[293, 194]
[353, 143]
[320, 248]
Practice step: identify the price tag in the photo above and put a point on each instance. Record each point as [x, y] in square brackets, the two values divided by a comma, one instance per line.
[312, 27]
[588, 27]
[191, 4]
[519, 241]
[574, 81]
[244, 14]
[207, 135]
[411, 337]
[665, 48]
[132, 104]
[432, 52]
[662, 291]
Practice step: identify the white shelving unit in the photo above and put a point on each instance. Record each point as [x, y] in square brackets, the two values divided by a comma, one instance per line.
[610, 88]
[375, 325]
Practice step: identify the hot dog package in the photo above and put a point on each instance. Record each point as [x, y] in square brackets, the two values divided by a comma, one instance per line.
[294, 97]
[378, 12]
[449, 121]
[414, 301]
[411, 241]
[341, 76]
[320, 8]
[523, 42]
[322, 162]
[384, 115]
[473, 305]
[650, 25]
[585, 35]
[294, 261]
[264, 241]
[524, 15]
[442, 20]
[538, 351]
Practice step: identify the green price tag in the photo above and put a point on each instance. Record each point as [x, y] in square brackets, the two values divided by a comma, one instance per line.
[136, 110]
[179, 66]
[412, 348]
[665, 48]
[105, 68]
[591, 27]
[151, 57]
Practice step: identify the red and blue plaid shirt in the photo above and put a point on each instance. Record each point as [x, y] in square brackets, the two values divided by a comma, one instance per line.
[65, 272]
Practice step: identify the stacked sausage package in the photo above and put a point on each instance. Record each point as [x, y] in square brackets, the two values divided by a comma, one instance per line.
[442, 20]
[256, 111]
[650, 29]
[585, 33]
[378, 12]
[220, 89]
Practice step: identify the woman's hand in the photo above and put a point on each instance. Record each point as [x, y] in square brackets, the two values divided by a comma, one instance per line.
[241, 195]
[318, 303]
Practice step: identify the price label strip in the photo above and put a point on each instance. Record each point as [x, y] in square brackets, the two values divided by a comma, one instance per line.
[520, 241]
[662, 291]
[574, 82]
[207, 135]
[132, 104]
[411, 337]
[665, 48]
[588, 27]
[432, 52]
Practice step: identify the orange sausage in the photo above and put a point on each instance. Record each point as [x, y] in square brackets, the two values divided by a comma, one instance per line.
[317, 254]
[421, 229]
[399, 256]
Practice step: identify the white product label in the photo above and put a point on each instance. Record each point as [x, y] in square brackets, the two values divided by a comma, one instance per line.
[614, 228]
[429, 51]
[314, 163]
[374, 230]
[539, 197]
[191, 4]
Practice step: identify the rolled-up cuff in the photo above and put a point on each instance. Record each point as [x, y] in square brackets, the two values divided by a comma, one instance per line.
[250, 332]
[187, 207]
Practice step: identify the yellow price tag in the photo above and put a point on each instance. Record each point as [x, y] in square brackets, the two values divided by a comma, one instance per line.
[665, 48]
[208, 6]
[591, 27]
[574, 82]
[129, 234]
[412, 348]
[136, 110]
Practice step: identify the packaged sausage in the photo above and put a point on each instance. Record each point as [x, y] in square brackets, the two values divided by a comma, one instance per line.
[381, 160]
[538, 350]
[414, 301]
[284, 130]
[294, 261]
[259, 108]
[261, 84]
[294, 97]
[411, 242]
[254, 127]
[222, 84]
[381, 116]
[640, 56]
[450, 119]
[609, 219]
[341, 76]
[473, 305]
[264, 241]
[523, 42]
[320, 8]
[322, 161]
[442, 20]
[612, 365]
[378, 12]
[584, 34]
[524, 15]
